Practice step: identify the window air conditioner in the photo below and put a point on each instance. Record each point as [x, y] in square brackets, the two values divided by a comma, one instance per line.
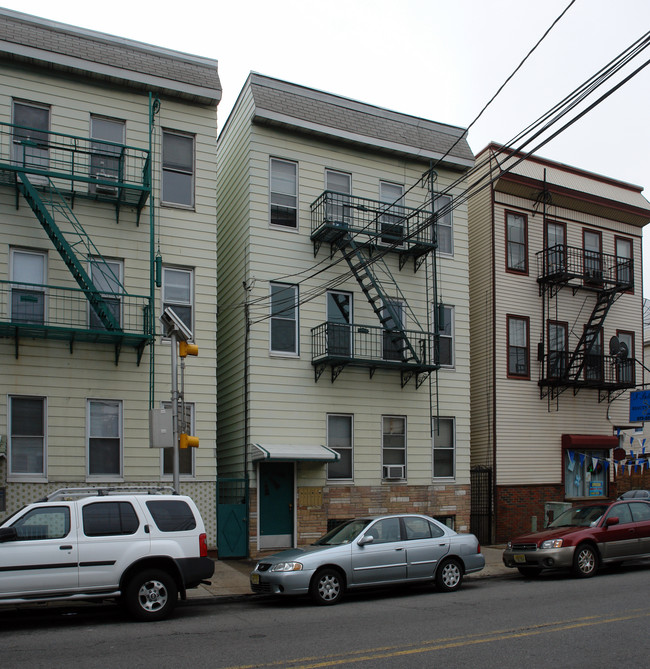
[393, 471]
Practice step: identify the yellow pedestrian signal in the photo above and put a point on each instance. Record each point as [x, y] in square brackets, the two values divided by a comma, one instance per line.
[185, 349]
[188, 440]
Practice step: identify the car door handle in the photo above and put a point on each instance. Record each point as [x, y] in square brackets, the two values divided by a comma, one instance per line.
[65, 548]
[400, 548]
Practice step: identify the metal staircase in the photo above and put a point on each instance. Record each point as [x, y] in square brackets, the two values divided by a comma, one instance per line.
[75, 239]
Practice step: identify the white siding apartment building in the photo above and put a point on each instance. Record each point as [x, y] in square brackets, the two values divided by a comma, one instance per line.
[343, 331]
[556, 333]
[107, 213]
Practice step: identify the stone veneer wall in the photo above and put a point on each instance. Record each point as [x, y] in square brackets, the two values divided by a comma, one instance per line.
[344, 502]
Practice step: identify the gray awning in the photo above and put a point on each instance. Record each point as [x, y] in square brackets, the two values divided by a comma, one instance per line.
[292, 453]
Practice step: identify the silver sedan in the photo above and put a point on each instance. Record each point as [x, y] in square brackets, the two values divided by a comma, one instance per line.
[370, 552]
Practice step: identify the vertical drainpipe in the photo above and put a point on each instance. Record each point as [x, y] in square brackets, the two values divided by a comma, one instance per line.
[152, 320]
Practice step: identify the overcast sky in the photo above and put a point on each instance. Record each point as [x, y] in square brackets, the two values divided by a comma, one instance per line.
[439, 59]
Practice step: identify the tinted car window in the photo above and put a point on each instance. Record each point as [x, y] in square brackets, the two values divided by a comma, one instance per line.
[172, 515]
[622, 512]
[44, 523]
[640, 511]
[105, 519]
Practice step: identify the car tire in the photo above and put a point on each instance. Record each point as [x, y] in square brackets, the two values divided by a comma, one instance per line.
[585, 561]
[150, 595]
[327, 587]
[449, 576]
[529, 572]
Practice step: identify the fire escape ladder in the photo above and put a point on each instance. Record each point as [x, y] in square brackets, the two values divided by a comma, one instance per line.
[384, 308]
[578, 358]
[66, 247]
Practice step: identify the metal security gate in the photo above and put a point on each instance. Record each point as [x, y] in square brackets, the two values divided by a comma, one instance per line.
[481, 504]
[232, 522]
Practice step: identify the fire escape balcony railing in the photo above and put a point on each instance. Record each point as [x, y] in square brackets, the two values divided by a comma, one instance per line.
[64, 313]
[604, 372]
[91, 168]
[572, 265]
[371, 346]
[335, 215]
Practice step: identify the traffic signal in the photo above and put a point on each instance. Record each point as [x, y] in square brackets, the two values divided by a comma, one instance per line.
[185, 349]
[188, 440]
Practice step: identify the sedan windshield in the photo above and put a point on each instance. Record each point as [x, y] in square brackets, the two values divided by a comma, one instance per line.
[580, 516]
[343, 534]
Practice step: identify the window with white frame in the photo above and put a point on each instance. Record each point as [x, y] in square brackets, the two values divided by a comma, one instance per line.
[444, 447]
[585, 473]
[104, 421]
[443, 206]
[339, 185]
[177, 168]
[339, 439]
[186, 455]
[391, 224]
[30, 146]
[446, 329]
[27, 436]
[178, 293]
[284, 318]
[106, 159]
[106, 275]
[393, 447]
[28, 291]
[284, 193]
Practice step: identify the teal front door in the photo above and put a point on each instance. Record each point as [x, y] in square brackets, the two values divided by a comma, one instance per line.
[276, 498]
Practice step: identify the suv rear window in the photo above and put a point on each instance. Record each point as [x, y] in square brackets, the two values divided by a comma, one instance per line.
[104, 519]
[172, 515]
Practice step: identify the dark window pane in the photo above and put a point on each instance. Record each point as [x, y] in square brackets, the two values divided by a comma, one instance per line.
[172, 515]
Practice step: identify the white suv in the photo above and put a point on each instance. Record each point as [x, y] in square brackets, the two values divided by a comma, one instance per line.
[143, 548]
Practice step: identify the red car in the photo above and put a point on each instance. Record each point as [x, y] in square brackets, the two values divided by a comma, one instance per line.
[583, 538]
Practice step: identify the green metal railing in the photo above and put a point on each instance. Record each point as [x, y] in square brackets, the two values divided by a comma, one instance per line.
[59, 312]
[91, 167]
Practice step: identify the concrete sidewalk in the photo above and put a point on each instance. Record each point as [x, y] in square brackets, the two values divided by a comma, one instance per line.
[230, 577]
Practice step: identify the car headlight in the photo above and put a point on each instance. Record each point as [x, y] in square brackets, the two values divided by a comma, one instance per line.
[552, 543]
[287, 566]
[509, 545]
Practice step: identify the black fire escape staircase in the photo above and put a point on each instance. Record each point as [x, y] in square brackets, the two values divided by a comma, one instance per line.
[412, 356]
[65, 244]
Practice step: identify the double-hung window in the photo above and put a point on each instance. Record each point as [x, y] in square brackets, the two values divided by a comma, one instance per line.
[444, 447]
[28, 291]
[178, 293]
[27, 436]
[106, 154]
[624, 262]
[446, 330]
[339, 439]
[339, 187]
[31, 136]
[284, 318]
[177, 168]
[518, 347]
[339, 323]
[625, 362]
[442, 208]
[106, 275]
[393, 447]
[104, 426]
[555, 256]
[516, 243]
[391, 222]
[393, 339]
[284, 193]
[592, 245]
[557, 349]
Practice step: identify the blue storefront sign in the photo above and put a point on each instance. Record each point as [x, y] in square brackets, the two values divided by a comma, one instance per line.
[639, 405]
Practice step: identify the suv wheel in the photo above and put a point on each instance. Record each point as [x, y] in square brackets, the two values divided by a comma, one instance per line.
[150, 595]
[585, 561]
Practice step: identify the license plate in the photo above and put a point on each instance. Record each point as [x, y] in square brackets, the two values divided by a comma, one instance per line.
[255, 579]
[519, 559]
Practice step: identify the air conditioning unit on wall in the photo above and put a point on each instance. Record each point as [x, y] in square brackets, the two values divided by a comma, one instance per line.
[394, 471]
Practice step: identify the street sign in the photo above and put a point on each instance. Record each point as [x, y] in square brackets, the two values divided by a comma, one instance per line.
[639, 405]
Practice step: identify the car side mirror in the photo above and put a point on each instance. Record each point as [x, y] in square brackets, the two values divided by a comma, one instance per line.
[366, 539]
[613, 520]
[8, 534]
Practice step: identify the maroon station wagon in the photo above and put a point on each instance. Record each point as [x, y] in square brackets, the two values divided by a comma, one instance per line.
[583, 538]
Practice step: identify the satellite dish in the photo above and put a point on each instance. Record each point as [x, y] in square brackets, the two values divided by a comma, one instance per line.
[622, 351]
[614, 346]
